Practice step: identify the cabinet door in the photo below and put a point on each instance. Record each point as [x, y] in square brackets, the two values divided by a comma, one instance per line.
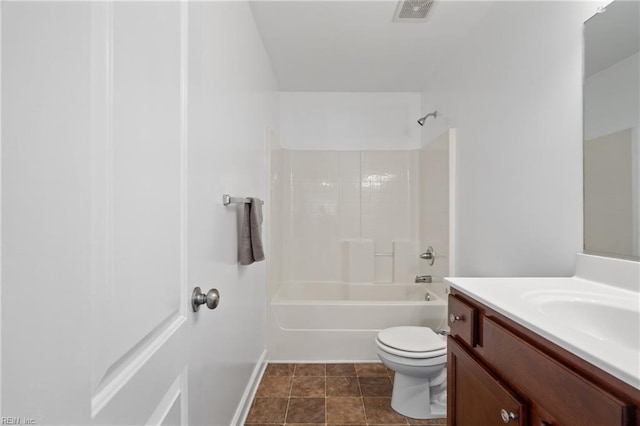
[475, 396]
[565, 394]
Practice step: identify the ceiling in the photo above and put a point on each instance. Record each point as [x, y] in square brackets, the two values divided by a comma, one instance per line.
[356, 45]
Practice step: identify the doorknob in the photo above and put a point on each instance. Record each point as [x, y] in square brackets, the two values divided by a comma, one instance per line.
[212, 298]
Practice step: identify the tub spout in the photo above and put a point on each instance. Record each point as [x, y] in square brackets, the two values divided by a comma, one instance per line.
[423, 279]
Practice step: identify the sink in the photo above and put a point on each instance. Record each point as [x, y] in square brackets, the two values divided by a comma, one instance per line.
[605, 318]
[595, 314]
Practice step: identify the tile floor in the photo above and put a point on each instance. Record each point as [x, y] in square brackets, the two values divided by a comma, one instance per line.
[327, 394]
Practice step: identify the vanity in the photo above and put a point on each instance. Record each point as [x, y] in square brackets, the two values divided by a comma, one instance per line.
[566, 351]
[543, 351]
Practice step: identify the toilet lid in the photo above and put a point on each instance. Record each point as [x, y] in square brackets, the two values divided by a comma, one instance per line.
[412, 339]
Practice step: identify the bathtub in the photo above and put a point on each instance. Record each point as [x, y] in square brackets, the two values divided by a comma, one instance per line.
[339, 321]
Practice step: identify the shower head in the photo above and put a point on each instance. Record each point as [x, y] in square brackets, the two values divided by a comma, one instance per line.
[433, 114]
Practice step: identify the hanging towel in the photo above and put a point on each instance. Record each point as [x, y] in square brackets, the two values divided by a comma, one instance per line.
[251, 249]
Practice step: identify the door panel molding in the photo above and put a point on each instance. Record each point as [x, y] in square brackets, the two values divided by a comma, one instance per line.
[124, 370]
[120, 374]
[185, 303]
[172, 408]
[102, 171]
[135, 397]
[1, 203]
[146, 180]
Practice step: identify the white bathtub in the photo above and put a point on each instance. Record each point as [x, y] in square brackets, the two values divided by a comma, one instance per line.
[339, 321]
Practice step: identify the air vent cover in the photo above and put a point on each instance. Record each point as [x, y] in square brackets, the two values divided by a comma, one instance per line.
[413, 10]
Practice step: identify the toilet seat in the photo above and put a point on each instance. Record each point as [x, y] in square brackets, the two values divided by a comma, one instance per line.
[411, 342]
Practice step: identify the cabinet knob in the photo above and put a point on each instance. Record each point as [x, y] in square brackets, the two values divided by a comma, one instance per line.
[507, 416]
[453, 318]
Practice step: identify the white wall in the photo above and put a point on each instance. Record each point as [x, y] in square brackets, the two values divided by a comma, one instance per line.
[350, 121]
[513, 91]
[232, 102]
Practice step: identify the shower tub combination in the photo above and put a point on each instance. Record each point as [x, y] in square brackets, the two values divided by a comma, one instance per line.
[339, 321]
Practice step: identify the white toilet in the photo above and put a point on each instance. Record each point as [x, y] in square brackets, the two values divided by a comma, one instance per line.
[419, 357]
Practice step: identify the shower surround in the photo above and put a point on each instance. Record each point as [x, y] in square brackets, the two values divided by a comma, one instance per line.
[347, 228]
[345, 212]
[354, 200]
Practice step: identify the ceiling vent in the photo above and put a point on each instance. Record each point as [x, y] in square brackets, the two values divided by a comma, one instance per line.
[413, 10]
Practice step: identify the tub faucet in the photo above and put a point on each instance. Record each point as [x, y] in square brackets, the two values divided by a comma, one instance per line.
[423, 279]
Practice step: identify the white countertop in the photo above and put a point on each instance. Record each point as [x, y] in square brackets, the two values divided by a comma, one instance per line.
[600, 323]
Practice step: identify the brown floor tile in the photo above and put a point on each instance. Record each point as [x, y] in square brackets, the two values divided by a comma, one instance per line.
[345, 411]
[379, 411]
[371, 370]
[274, 386]
[279, 370]
[356, 395]
[418, 422]
[343, 386]
[308, 386]
[267, 410]
[265, 424]
[341, 370]
[310, 370]
[375, 386]
[306, 410]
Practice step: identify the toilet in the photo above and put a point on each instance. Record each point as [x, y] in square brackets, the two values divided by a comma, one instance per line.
[418, 356]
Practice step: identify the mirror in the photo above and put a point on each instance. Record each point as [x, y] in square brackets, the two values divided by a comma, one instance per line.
[611, 95]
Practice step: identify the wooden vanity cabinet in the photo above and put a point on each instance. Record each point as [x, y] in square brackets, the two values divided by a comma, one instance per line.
[480, 397]
[502, 373]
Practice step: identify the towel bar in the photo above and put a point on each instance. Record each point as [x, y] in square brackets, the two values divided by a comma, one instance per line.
[228, 199]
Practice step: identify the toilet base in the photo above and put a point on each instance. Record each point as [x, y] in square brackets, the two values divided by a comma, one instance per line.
[412, 398]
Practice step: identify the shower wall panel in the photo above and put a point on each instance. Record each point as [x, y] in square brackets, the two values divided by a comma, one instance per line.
[434, 204]
[388, 184]
[331, 196]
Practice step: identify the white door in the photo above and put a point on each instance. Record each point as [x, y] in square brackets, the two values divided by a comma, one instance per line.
[95, 299]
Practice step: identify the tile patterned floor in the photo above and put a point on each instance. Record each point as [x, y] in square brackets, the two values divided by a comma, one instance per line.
[327, 394]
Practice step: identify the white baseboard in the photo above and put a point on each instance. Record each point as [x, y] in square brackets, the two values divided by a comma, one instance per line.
[250, 391]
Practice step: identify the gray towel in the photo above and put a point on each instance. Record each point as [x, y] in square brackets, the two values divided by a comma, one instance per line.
[251, 249]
